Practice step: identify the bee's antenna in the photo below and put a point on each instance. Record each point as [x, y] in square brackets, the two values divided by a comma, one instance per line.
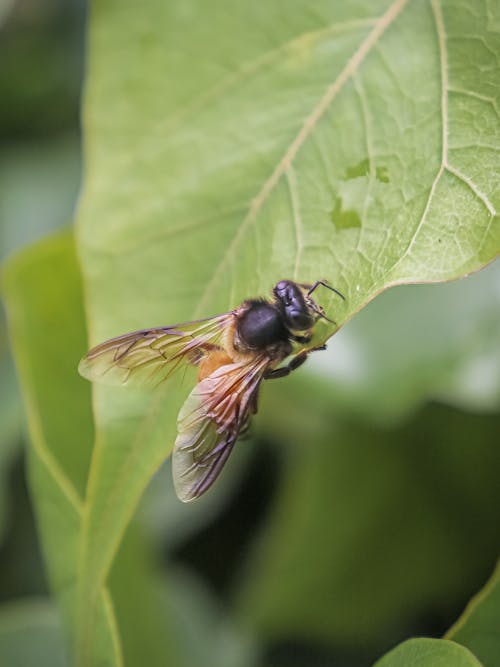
[327, 319]
[325, 284]
[321, 313]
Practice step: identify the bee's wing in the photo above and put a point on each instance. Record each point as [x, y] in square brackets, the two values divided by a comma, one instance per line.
[209, 423]
[147, 357]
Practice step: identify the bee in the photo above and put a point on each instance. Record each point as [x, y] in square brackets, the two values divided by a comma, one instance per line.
[233, 352]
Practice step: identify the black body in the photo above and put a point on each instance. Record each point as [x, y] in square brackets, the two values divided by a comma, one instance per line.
[265, 324]
[262, 325]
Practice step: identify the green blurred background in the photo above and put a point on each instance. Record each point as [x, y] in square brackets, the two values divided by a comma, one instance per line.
[363, 509]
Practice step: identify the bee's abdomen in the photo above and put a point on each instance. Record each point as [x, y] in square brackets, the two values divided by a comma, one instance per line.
[261, 326]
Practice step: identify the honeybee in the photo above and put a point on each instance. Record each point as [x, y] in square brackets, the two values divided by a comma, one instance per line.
[233, 352]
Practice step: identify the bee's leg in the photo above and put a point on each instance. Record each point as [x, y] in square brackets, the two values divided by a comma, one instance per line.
[254, 401]
[295, 363]
[301, 339]
[244, 429]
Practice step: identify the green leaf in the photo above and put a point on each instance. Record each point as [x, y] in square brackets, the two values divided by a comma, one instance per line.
[477, 628]
[209, 634]
[428, 653]
[231, 147]
[45, 310]
[43, 297]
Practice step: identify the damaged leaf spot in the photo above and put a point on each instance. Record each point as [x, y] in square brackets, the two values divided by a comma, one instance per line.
[344, 219]
[363, 169]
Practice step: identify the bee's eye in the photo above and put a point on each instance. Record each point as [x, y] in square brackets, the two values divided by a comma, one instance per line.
[290, 296]
[296, 310]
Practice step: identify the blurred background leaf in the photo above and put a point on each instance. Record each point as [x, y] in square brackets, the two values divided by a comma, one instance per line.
[399, 518]
[43, 292]
[11, 420]
[39, 180]
[31, 634]
[39, 159]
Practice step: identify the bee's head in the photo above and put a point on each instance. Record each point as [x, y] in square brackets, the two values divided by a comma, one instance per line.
[298, 307]
[291, 299]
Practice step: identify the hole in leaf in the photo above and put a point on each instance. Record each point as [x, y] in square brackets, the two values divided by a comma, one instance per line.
[363, 169]
[344, 219]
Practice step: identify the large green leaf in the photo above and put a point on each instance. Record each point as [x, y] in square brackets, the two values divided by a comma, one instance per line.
[233, 145]
[44, 303]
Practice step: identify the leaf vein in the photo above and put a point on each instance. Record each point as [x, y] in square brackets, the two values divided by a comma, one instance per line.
[472, 186]
[251, 67]
[291, 180]
[115, 635]
[476, 96]
[441, 35]
[47, 458]
[58, 475]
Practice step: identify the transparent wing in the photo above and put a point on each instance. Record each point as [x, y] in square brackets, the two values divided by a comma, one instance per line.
[149, 356]
[209, 423]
